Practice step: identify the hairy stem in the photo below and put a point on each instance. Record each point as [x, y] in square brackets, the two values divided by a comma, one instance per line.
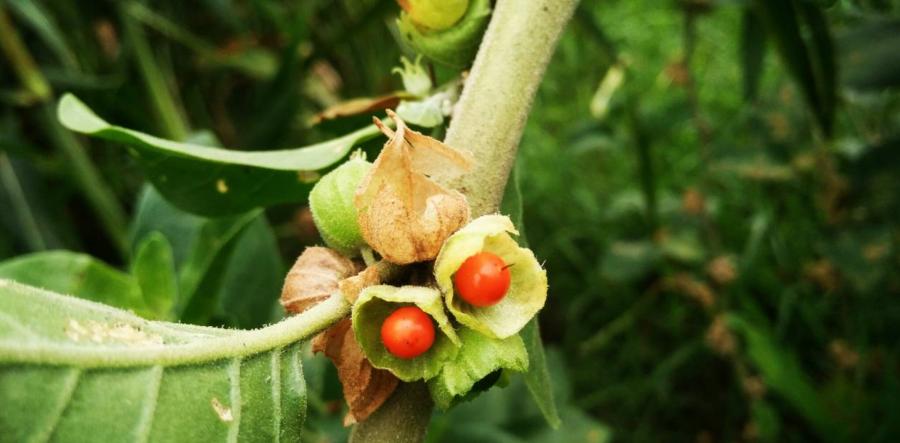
[497, 95]
[488, 121]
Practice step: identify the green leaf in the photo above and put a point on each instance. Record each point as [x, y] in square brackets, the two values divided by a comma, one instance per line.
[253, 278]
[753, 51]
[35, 15]
[784, 375]
[376, 303]
[477, 358]
[154, 271]
[77, 371]
[214, 181]
[80, 275]
[537, 379]
[810, 63]
[202, 249]
[528, 286]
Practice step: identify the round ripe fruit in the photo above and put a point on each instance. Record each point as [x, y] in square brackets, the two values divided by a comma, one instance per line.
[408, 332]
[482, 280]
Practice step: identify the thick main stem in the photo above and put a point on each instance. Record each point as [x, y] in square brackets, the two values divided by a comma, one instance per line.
[497, 96]
[488, 121]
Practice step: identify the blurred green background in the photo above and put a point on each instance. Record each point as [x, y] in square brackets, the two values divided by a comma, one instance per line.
[714, 186]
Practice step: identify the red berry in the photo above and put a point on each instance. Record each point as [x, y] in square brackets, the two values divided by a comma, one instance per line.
[482, 280]
[408, 332]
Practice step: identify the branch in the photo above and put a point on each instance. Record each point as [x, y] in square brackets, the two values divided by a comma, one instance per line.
[488, 121]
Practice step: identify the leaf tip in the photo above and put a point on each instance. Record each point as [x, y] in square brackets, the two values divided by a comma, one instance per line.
[76, 116]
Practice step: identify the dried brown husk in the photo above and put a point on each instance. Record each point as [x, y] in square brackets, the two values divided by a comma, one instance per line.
[314, 277]
[402, 213]
[365, 388]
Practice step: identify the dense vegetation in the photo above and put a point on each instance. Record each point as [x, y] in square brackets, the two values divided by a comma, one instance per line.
[713, 185]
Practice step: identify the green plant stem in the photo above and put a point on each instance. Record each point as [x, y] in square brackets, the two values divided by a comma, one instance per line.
[488, 122]
[103, 202]
[169, 114]
[402, 418]
[291, 330]
[498, 93]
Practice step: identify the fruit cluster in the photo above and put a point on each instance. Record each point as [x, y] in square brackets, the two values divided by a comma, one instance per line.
[454, 324]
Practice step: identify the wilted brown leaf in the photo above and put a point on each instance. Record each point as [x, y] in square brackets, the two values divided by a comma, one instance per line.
[403, 214]
[314, 277]
[365, 388]
[360, 105]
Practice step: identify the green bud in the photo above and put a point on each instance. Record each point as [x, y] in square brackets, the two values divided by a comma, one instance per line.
[416, 80]
[333, 211]
[434, 14]
[528, 281]
[454, 46]
[376, 303]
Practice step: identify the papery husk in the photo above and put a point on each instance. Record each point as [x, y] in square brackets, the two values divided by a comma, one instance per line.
[401, 213]
[365, 387]
[376, 303]
[314, 277]
[527, 292]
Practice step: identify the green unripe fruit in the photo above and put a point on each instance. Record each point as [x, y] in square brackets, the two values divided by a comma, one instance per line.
[333, 211]
[454, 46]
[434, 14]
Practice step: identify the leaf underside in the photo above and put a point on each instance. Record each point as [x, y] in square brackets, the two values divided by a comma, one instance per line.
[213, 181]
[72, 370]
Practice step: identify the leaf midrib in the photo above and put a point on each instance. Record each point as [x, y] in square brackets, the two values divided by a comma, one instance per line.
[239, 343]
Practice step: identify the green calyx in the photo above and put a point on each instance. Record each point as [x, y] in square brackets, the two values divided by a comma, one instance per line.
[478, 357]
[528, 286]
[454, 46]
[333, 211]
[376, 303]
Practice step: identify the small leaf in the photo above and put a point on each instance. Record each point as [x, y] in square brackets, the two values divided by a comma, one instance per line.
[358, 106]
[403, 214]
[202, 249]
[154, 271]
[477, 358]
[528, 287]
[373, 306]
[76, 369]
[213, 181]
[314, 277]
[365, 387]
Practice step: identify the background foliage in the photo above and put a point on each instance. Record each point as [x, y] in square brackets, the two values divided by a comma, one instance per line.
[712, 183]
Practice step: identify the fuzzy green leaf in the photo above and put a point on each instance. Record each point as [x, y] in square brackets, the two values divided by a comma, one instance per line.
[478, 357]
[528, 287]
[214, 181]
[537, 379]
[374, 305]
[73, 370]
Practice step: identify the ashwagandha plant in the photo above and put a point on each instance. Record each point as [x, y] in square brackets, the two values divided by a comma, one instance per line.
[425, 295]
